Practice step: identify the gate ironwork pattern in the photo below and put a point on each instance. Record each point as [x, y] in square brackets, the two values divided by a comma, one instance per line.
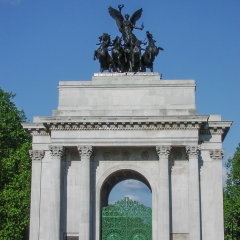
[126, 220]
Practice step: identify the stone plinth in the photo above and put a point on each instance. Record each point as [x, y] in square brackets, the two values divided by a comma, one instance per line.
[141, 94]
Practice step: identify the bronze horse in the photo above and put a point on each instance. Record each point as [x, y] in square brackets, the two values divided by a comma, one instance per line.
[150, 53]
[133, 57]
[118, 55]
[102, 54]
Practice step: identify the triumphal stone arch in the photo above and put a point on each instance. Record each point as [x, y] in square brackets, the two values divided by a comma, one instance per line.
[127, 126]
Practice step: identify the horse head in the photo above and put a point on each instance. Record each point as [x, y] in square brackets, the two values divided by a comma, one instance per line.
[105, 39]
[117, 41]
[149, 35]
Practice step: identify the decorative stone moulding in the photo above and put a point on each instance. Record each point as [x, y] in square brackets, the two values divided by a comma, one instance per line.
[144, 155]
[37, 155]
[163, 150]
[38, 132]
[122, 125]
[125, 155]
[217, 131]
[99, 74]
[216, 154]
[57, 151]
[193, 150]
[85, 151]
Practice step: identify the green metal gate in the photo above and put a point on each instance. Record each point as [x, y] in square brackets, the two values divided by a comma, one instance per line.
[126, 220]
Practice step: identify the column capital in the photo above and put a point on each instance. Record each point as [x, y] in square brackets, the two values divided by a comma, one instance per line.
[163, 150]
[216, 154]
[85, 151]
[193, 150]
[37, 155]
[57, 151]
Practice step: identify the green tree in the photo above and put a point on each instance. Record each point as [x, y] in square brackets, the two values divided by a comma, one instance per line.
[232, 197]
[15, 171]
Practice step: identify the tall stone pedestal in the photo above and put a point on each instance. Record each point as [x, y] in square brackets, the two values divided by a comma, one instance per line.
[127, 126]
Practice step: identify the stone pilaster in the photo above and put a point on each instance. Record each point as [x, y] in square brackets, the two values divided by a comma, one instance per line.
[36, 156]
[193, 194]
[57, 153]
[85, 153]
[163, 194]
[217, 156]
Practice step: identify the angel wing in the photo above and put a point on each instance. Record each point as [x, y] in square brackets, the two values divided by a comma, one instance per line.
[136, 16]
[117, 16]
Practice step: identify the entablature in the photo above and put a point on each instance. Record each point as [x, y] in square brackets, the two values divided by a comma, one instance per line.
[44, 125]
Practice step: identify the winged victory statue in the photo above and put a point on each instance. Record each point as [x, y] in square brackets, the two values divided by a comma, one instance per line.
[126, 26]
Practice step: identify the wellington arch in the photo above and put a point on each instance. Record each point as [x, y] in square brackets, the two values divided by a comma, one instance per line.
[122, 126]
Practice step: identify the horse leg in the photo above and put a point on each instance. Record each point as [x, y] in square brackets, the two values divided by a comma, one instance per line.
[143, 68]
[130, 66]
[151, 67]
[125, 55]
[133, 63]
[95, 55]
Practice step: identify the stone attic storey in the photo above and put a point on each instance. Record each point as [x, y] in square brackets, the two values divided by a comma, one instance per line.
[127, 126]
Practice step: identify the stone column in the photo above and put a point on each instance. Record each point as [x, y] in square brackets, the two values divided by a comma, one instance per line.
[37, 156]
[85, 153]
[193, 192]
[57, 153]
[217, 156]
[163, 194]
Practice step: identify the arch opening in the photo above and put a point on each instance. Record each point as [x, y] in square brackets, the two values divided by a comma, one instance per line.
[126, 218]
[116, 177]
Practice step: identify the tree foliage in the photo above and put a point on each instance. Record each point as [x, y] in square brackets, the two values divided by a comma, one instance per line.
[15, 171]
[232, 197]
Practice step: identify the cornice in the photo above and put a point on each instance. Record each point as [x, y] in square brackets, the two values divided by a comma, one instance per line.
[218, 131]
[45, 125]
[96, 126]
[36, 129]
[216, 128]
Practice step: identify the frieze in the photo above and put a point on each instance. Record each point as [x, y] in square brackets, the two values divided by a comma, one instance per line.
[216, 154]
[144, 155]
[123, 126]
[37, 155]
[106, 155]
[125, 155]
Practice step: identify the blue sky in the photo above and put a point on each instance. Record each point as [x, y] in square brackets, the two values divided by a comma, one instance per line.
[43, 42]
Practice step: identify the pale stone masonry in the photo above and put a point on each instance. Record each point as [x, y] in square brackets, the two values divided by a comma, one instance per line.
[127, 126]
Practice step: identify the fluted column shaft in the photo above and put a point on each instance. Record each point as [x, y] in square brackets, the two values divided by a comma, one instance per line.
[57, 153]
[85, 153]
[37, 156]
[163, 195]
[193, 194]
